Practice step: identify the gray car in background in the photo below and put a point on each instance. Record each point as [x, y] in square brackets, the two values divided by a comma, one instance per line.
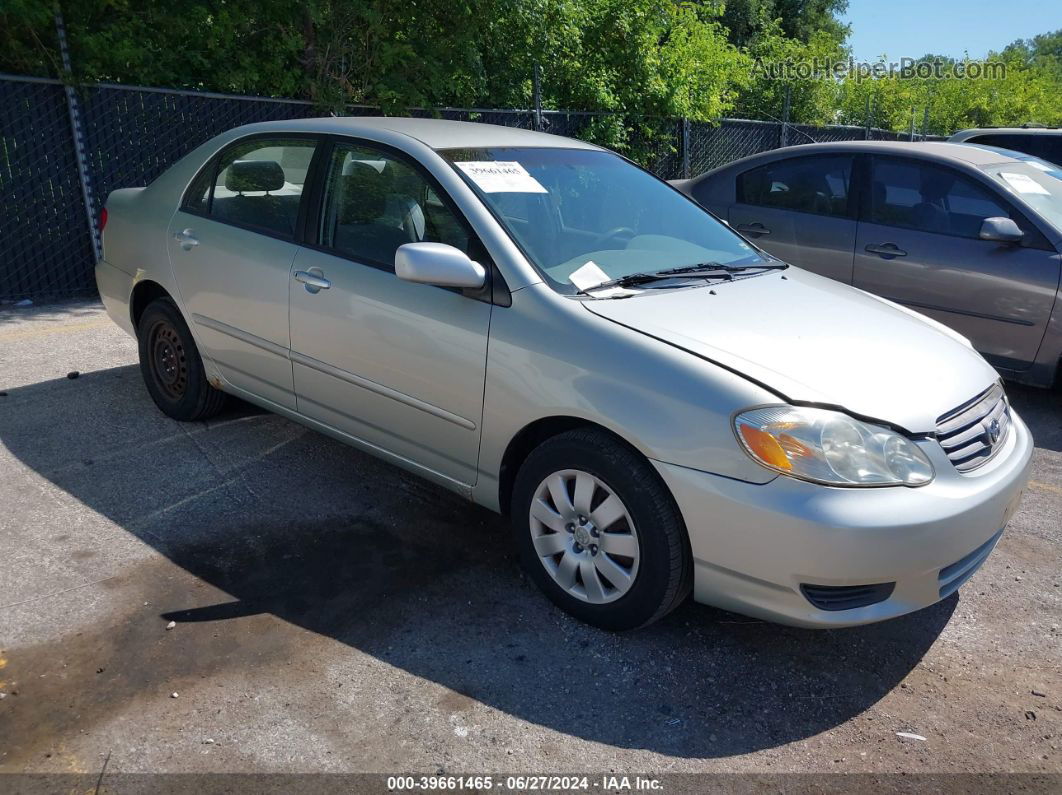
[968, 235]
[1042, 142]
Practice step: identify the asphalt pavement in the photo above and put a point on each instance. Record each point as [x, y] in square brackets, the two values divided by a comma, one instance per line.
[334, 614]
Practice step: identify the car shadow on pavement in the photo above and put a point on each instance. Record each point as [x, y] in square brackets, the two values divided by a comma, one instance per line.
[287, 522]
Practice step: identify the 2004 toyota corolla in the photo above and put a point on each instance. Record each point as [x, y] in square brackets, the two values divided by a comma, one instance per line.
[542, 326]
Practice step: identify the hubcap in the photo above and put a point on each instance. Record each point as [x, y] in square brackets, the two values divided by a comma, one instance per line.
[168, 361]
[584, 536]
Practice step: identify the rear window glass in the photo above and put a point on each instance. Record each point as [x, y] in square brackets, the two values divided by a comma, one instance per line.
[817, 185]
[258, 184]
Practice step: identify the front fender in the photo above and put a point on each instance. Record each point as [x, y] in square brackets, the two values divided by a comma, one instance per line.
[549, 358]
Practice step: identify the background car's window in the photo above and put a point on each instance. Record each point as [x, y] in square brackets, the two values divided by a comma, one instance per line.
[1048, 147]
[816, 185]
[376, 202]
[930, 198]
[259, 184]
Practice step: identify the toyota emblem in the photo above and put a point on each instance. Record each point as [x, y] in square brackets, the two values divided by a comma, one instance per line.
[993, 432]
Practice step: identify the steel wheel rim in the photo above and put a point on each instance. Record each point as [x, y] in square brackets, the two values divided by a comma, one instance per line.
[584, 536]
[168, 360]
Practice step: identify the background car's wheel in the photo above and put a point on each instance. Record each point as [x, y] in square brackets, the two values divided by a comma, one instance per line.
[171, 365]
[599, 532]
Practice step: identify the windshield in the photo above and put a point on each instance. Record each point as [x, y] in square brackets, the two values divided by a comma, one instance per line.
[571, 209]
[1037, 182]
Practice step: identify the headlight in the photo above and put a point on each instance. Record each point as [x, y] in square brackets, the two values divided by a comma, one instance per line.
[829, 447]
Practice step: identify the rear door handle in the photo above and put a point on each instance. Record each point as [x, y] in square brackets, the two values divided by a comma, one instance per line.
[887, 250]
[755, 229]
[313, 282]
[187, 239]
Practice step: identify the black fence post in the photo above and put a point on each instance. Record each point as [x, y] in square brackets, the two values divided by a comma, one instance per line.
[783, 135]
[537, 97]
[77, 131]
[686, 169]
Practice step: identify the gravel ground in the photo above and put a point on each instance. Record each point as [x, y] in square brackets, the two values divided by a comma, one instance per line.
[334, 614]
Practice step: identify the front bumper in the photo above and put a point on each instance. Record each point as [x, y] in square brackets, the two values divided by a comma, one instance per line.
[754, 545]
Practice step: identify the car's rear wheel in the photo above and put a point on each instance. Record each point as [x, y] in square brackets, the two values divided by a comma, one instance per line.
[599, 532]
[172, 367]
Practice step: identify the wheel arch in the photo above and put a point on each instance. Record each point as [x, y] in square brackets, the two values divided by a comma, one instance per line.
[143, 294]
[531, 436]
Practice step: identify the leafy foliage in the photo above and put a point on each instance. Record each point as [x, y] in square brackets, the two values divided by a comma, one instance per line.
[638, 58]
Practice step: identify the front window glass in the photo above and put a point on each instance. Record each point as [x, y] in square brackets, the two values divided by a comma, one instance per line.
[376, 202]
[919, 195]
[1037, 182]
[568, 208]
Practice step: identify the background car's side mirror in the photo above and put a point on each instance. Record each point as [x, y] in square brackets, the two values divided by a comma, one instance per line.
[1000, 229]
[438, 264]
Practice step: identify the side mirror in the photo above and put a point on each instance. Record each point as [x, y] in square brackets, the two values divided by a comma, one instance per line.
[438, 264]
[1001, 230]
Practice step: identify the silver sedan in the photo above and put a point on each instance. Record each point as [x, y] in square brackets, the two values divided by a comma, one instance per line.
[659, 406]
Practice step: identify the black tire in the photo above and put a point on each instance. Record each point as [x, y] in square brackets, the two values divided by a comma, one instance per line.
[172, 367]
[665, 570]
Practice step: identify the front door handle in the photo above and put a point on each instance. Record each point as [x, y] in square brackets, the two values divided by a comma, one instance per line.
[756, 230]
[886, 250]
[187, 239]
[314, 282]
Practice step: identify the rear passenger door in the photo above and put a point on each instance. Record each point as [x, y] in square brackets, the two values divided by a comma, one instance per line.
[801, 210]
[232, 244]
[919, 245]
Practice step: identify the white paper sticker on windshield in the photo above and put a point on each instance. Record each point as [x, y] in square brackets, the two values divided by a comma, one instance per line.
[501, 176]
[1023, 183]
[588, 276]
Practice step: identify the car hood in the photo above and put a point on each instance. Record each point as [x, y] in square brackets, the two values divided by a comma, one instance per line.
[813, 340]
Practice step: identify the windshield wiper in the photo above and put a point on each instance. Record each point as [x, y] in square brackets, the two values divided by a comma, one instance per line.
[713, 267]
[701, 270]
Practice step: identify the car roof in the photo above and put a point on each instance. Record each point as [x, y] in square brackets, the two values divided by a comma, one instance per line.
[931, 150]
[436, 133]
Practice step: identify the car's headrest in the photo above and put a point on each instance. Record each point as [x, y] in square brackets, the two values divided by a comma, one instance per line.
[363, 195]
[251, 175]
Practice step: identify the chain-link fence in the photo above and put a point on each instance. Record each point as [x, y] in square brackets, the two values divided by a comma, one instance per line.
[123, 136]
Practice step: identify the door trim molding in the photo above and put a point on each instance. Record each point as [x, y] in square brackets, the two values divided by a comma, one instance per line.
[981, 315]
[380, 389]
[241, 335]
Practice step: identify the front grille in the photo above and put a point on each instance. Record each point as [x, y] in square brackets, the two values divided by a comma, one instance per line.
[951, 577]
[972, 433]
[846, 597]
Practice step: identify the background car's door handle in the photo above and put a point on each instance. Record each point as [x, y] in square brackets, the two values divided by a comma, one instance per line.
[753, 229]
[187, 239]
[313, 282]
[886, 250]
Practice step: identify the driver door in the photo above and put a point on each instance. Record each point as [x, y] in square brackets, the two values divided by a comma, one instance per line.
[395, 365]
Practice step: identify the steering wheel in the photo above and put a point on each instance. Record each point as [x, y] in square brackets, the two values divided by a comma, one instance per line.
[616, 233]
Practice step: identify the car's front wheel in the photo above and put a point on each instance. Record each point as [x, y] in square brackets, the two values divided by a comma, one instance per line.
[599, 532]
[171, 365]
